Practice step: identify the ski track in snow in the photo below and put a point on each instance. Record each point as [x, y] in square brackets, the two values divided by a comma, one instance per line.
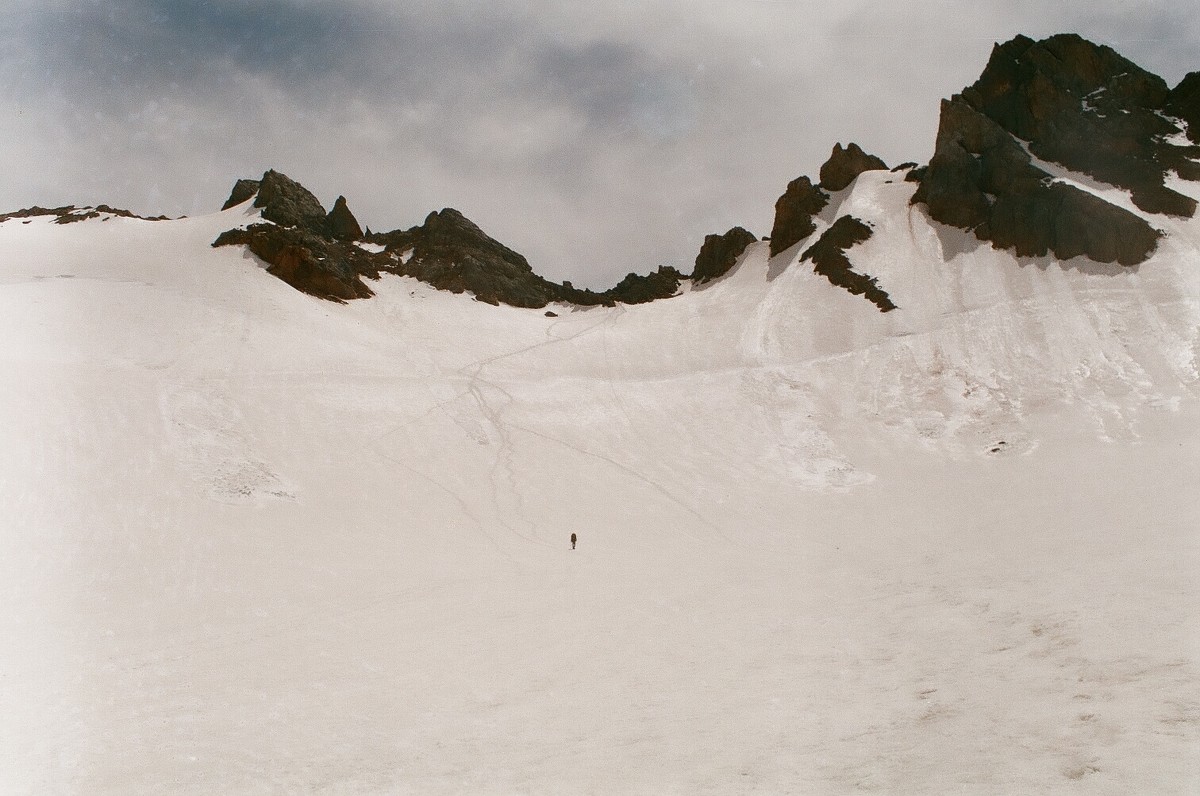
[259, 543]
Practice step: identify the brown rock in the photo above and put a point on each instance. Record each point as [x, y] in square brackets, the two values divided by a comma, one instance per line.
[982, 180]
[341, 223]
[844, 166]
[287, 202]
[794, 213]
[242, 190]
[1086, 107]
[719, 253]
[829, 259]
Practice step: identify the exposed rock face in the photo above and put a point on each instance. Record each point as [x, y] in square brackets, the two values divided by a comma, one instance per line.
[1076, 104]
[451, 253]
[1184, 103]
[794, 213]
[341, 223]
[242, 190]
[287, 202]
[828, 256]
[981, 179]
[303, 247]
[1086, 107]
[69, 214]
[637, 289]
[308, 262]
[719, 253]
[844, 166]
[318, 253]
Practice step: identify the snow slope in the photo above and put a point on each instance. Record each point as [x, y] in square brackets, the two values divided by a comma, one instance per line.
[260, 543]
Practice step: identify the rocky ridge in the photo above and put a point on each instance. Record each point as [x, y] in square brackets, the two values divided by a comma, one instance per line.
[328, 255]
[1065, 101]
[69, 214]
[720, 253]
[1025, 158]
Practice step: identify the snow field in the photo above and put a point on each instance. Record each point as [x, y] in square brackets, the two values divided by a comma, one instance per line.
[259, 543]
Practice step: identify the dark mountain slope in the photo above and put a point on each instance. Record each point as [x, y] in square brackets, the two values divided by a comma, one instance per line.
[1071, 102]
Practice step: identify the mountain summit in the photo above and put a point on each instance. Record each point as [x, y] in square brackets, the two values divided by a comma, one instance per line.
[1062, 103]
[886, 503]
[1061, 148]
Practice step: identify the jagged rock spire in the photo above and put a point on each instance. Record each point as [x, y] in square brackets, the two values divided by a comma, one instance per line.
[341, 223]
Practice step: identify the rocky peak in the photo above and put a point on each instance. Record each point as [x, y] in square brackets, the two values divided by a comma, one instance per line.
[242, 190]
[794, 213]
[981, 179]
[844, 166]
[448, 231]
[341, 223]
[288, 203]
[1088, 108]
[637, 289]
[1067, 101]
[719, 253]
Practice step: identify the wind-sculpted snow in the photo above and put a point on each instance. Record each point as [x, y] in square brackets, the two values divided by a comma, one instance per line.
[257, 541]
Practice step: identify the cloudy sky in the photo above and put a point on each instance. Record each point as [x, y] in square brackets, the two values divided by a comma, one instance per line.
[595, 138]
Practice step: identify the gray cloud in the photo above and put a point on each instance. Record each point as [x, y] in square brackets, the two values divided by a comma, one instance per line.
[594, 139]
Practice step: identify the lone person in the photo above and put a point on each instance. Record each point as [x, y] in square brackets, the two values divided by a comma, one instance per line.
[574, 539]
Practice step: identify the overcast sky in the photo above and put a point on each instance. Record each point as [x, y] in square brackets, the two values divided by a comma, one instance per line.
[595, 138]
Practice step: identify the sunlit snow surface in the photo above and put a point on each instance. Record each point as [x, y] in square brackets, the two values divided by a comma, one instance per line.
[254, 542]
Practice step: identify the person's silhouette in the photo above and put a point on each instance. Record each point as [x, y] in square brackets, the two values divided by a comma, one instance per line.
[574, 538]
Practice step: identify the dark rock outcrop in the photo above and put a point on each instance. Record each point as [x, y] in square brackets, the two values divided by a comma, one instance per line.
[304, 247]
[794, 213]
[981, 179]
[69, 214]
[308, 262]
[638, 289]
[1063, 100]
[341, 223]
[844, 166]
[319, 254]
[1086, 107]
[288, 203]
[719, 253]
[451, 253]
[1184, 103]
[828, 256]
[242, 190]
